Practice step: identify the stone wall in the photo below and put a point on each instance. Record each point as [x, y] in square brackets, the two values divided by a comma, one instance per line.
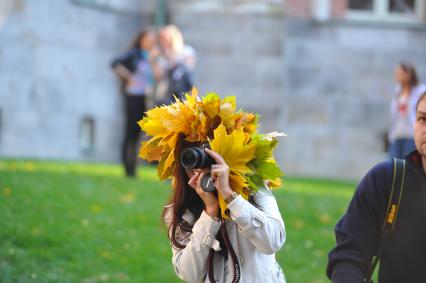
[327, 85]
[239, 49]
[338, 85]
[54, 73]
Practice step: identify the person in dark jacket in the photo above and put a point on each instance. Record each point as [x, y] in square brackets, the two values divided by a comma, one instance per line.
[138, 72]
[178, 65]
[403, 257]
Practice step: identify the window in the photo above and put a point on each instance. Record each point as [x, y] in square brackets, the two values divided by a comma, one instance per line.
[361, 5]
[386, 10]
[402, 6]
[87, 135]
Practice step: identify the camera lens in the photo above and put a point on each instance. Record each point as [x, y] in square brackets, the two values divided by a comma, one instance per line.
[195, 157]
[189, 158]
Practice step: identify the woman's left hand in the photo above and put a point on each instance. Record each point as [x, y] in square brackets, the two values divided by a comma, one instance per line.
[220, 174]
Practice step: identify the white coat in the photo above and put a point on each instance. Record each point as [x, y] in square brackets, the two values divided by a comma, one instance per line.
[255, 234]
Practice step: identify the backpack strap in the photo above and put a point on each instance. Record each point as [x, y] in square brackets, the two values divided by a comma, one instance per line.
[391, 211]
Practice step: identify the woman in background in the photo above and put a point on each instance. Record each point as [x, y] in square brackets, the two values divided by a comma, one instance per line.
[178, 63]
[403, 111]
[138, 71]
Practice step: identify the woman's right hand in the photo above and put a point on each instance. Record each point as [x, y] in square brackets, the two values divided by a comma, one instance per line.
[209, 198]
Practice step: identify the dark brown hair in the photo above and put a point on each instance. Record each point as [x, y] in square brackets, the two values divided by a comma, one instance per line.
[411, 70]
[183, 198]
[136, 40]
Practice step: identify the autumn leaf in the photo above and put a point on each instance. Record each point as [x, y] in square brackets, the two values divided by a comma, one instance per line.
[231, 133]
[233, 148]
[211, 103]
[237, 152]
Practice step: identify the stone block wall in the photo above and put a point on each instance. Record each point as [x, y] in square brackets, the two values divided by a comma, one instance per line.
[338, 86]
[239, 48]
[55, 71]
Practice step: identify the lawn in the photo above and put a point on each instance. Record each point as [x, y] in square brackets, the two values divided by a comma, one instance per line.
[73, 222]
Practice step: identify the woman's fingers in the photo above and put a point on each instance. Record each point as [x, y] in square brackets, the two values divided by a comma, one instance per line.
[220, 170]
[193, 181]
[216, 156]
[200, 178]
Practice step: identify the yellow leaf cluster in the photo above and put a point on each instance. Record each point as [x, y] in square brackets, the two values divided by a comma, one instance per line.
[237, 150]
[231, 133]
[195, 120]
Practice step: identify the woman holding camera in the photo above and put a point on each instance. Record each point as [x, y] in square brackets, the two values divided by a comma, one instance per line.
[207, 248]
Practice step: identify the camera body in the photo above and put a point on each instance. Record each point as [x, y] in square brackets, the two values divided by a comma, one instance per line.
[197, 158]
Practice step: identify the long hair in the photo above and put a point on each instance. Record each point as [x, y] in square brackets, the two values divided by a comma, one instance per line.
[135, 43]
[411, 71]
[183, 198]
[176, 38]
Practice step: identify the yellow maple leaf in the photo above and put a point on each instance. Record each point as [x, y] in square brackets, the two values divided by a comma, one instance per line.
[227, 112]
[273, 184]
[237, 152]
[150, 150]
[211, 105]
[234, 148]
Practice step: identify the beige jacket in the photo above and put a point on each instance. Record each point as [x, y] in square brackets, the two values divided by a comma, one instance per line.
[256, 235]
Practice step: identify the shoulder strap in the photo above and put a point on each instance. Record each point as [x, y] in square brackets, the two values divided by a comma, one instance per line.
[395, 196]
[230, 250]
[391, 211]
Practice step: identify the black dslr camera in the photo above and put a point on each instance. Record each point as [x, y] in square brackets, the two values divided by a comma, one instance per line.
[197, 158]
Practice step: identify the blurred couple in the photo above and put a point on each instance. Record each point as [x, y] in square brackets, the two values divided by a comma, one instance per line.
[157, 67]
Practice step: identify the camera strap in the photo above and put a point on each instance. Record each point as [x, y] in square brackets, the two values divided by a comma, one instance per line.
[230, 250]
[391, 211]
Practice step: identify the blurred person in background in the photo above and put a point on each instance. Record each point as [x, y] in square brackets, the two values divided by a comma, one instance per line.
[178, 63]
[403, 110]
[138, 70]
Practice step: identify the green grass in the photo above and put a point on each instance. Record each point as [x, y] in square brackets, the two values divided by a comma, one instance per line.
[72, 222]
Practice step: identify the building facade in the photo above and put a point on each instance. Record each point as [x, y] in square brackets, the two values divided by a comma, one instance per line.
[59, 98]
[319, 70]
[339, 60]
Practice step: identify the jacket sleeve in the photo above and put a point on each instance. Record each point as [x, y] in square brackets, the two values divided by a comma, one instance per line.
[190, 263]
[358, 231]
[125, 60]
[264, 227]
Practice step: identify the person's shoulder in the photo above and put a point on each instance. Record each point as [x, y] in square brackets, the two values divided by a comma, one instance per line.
[263, 192]
[421, 87]
[381, 167]
[377, 178]
[168, 213]
[381, 171]
[125, 56]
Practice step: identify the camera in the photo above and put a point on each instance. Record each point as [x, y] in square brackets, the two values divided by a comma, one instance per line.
[197, 158]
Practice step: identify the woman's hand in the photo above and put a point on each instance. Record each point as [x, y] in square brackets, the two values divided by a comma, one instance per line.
[220, 174]
[209, 199]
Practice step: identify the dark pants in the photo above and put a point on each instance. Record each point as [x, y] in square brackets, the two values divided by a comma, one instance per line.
[135, 108]
[401, 147]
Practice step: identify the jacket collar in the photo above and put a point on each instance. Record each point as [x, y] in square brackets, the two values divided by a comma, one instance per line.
[415, 159]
